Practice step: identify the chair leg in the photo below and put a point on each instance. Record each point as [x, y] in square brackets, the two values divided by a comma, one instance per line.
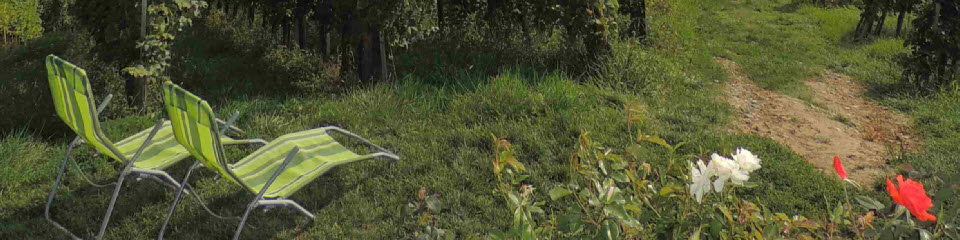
[173, 207]
[301, 210]
[53, 190]
[256, 200]
[113, 201]
[287, 203]
[126, 171]
[243, 221]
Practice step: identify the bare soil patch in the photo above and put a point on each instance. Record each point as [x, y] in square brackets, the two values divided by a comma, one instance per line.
[841, 122]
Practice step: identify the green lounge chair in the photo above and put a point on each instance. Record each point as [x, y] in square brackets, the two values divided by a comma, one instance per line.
[144, 154]
[273, 172]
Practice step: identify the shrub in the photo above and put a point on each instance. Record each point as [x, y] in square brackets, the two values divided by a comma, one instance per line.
[24, 90]
[19, 21]
[934, 60]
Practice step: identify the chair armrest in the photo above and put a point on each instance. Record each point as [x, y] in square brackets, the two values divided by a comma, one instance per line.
[104, 103]
[156, 128]
[283, 166]
[247, 141]
[225, 125]
[365, 141]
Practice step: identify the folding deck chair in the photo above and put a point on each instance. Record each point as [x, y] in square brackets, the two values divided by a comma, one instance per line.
[273, 172]
[144, 154]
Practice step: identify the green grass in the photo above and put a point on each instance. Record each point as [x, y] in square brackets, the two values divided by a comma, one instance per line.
[445, 144]
[779, 44]
[440, 119]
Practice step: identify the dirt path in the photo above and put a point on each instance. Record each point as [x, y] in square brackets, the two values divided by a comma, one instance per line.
[841, 122]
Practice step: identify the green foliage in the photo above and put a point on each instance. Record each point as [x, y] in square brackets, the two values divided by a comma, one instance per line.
[424, 208]
[934, 61]
[166, 18]
[19, 21]
[24, 89]
[624, 198]
[519, 196]
[609, 192]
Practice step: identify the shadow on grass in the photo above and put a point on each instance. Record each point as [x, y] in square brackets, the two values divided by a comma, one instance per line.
[261, 224]
[142, 205]
[789, 7]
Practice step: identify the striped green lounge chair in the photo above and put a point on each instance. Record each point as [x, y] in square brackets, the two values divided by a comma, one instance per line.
[273, 172]
[144, 154]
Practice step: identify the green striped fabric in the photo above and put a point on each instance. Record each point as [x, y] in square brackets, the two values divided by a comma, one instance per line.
[191, 118]
[73, 101]
[319, 153]
[195, 127]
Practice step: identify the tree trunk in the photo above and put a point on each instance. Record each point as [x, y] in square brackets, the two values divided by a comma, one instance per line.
[136, 88]
[883, 19]
[264, 19]
[492, 6]
[348, 32]
[324, 21]
[371, 55]
[251, 15]
[868, 27]
[226, 10]
[440, 14]
[638, 20]
[136, 91]
[856, 31]
[301, 32]
[285, 31]
[900, 21]
[235, 11]
[299, 15]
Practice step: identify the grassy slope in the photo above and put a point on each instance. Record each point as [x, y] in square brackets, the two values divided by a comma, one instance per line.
[443, 131]
[780, 44]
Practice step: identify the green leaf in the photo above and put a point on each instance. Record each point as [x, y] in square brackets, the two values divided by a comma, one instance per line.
[726, 213]
[433, 203]
[836, 216]
[869, 202]
[513, 199]
[925, 235]
[620, 177]
[696, 234]
[715, 228]
[535, 209]
[668, 190]
[558, 192]
[572, 221]
[655, 140]
[497, 235]
[770, 231]
[620, 213]
[609, 231]
[750, 185]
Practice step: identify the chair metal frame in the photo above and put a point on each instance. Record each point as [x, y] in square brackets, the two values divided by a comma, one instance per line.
[128, 170]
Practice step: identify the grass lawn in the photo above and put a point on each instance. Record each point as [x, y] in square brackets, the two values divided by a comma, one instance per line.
[441, 120]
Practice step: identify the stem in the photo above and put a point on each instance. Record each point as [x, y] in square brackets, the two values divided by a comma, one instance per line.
[845, 196]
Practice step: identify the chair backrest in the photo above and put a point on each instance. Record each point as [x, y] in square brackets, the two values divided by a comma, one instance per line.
[195, 127]
[73, 100]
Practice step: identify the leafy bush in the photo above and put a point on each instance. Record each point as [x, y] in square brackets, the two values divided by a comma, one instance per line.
[612, 196]
[24, 89]
[934, 61]
[19, 21]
